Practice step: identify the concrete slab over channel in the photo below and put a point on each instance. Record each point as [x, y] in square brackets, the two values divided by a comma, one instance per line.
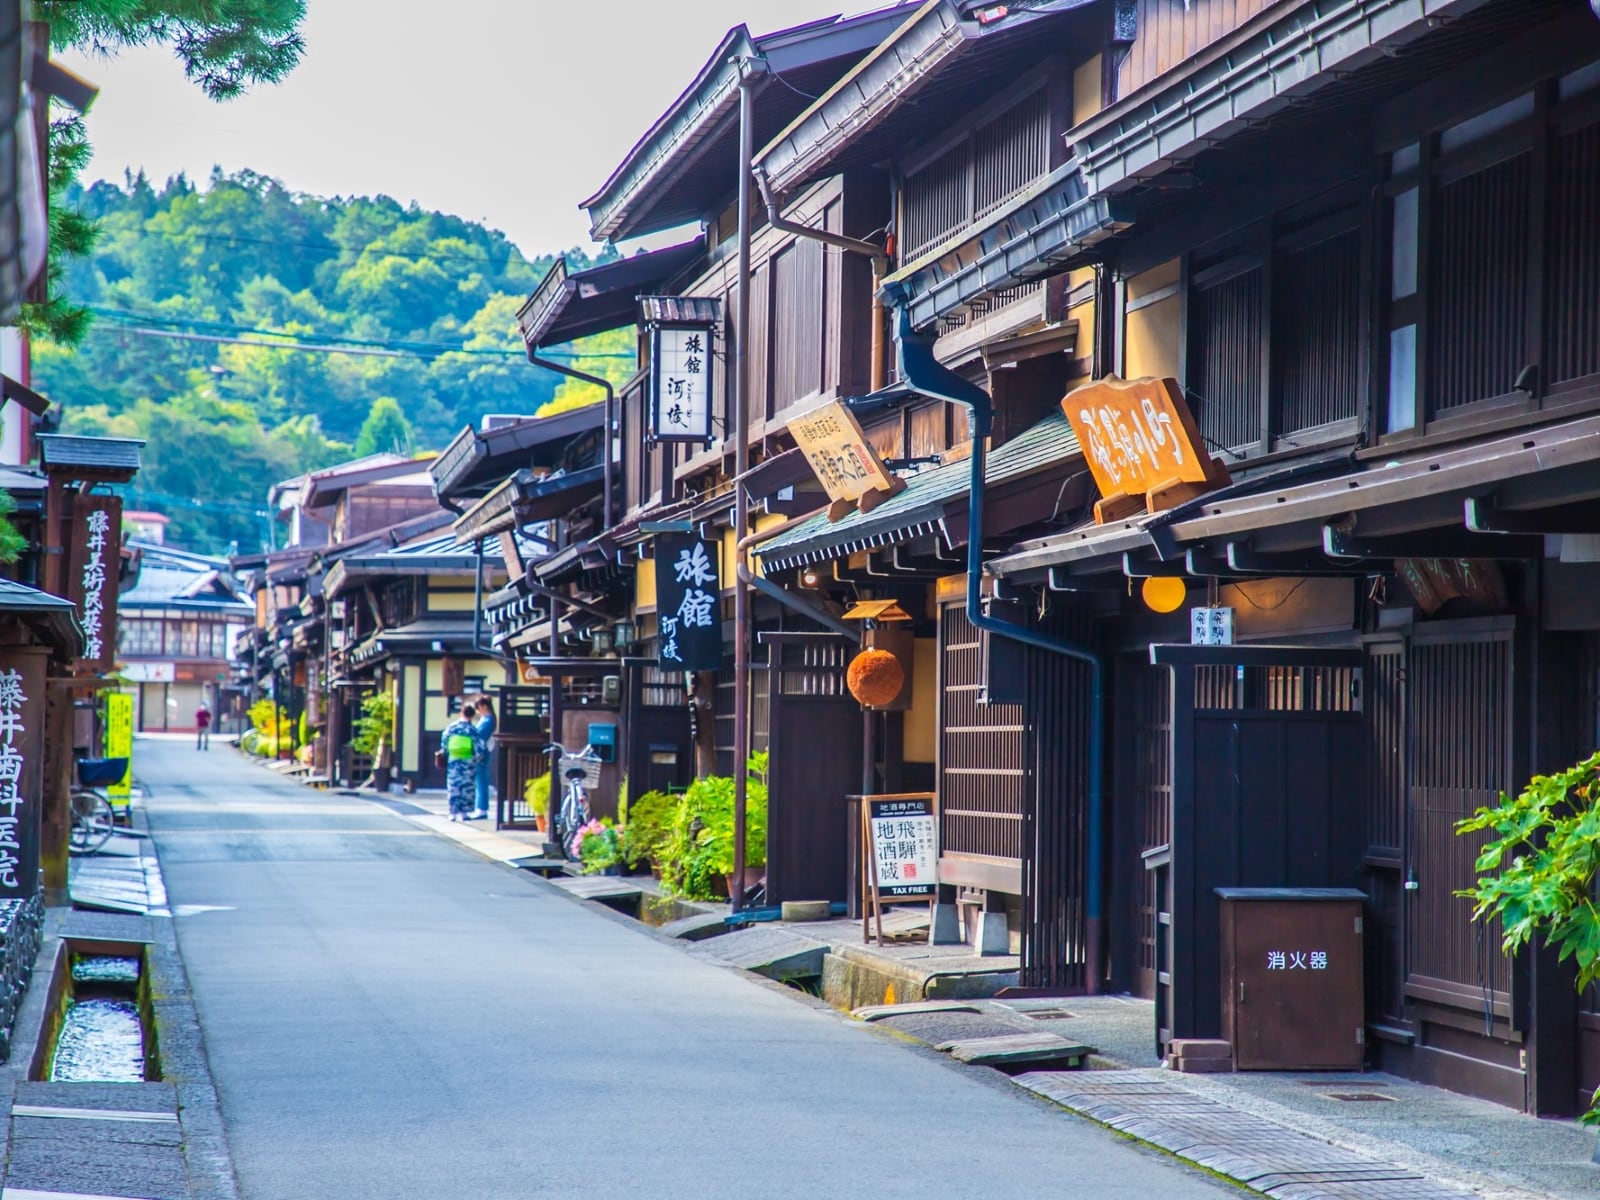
[1013, 1050]
[769, 950]
[696, 928]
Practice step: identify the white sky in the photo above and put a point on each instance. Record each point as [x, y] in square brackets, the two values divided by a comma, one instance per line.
[503, 111]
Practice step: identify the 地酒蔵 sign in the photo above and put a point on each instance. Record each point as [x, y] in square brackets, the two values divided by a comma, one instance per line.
[840, 456]
[688, 603]
[904, 847]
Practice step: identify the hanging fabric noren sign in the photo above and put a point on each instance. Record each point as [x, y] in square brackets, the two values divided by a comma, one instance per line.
[689, 603]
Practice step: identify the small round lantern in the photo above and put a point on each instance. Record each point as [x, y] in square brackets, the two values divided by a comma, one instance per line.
[875, 677]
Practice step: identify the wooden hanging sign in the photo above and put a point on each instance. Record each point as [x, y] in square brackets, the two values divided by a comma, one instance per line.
[842, 459]
[1142, 445]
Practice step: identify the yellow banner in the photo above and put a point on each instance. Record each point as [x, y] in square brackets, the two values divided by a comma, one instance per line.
[119, 744]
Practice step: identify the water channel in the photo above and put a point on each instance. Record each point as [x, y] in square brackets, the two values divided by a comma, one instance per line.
[102, 1032]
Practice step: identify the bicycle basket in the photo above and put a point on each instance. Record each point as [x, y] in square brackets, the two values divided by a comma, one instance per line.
[589, 766]
[101, 772]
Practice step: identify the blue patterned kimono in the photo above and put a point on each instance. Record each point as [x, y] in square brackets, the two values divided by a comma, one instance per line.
[461, 769]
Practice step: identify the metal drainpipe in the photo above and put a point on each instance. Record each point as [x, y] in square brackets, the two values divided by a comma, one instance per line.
[752, 73]
[792, 602]
[982, 423]
[880, 266]
[610, 420]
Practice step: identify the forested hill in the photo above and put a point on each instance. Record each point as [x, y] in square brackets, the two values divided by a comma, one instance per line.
[420, 307]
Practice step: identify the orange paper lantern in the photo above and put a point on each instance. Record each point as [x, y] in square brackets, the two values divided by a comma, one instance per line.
[875, 677]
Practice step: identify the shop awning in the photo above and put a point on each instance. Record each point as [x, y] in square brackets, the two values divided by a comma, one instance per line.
[1291, 509]
[526, 498]
[943, 55]
[52, 615]
[570, 305]
[478, 458]
[1052, 227]
[934, 502]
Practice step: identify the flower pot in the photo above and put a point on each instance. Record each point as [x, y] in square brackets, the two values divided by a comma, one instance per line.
[541, 822]
[655, 871]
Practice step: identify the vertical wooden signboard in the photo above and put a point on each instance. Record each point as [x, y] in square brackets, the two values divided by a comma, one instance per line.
[899, 855]
[22, 712]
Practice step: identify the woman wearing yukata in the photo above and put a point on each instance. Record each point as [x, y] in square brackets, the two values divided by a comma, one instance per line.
[462, 748]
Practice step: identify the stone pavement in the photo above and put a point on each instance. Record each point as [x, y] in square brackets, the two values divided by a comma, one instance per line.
[152, 1141]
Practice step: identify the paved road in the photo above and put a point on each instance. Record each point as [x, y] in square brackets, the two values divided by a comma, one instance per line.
[388, 1015]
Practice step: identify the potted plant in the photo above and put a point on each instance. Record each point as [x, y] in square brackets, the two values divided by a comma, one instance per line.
[372, 731]
[699, 857]
[536, 794]
[599, 846]
[648, 831]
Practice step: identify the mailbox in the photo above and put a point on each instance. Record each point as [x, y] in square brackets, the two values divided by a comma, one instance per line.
[603, 741]
[1292, 992]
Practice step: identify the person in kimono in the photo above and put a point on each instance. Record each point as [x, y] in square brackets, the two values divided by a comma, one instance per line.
[463, 748]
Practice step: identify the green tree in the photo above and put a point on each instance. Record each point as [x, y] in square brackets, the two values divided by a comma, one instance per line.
[385, 430]
[1537, 871]
[224, 46]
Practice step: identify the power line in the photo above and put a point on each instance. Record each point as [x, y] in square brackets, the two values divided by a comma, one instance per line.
[332, 249]
[227, 333]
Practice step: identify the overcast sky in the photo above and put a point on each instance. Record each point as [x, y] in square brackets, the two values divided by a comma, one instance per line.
[503, 111]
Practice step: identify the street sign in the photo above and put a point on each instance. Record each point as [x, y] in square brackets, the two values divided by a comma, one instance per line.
[119, 744]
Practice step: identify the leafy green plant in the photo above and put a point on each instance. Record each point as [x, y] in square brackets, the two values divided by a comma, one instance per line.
[373, 726]
[537, 794]
[599, 846]
[648, 831]
[1537, 873]
[701, 848]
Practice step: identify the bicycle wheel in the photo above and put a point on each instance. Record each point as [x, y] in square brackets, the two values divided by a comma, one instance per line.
[93, 822]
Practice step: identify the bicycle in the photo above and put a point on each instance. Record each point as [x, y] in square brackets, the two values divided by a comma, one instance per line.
[93, 819]
[579, 773]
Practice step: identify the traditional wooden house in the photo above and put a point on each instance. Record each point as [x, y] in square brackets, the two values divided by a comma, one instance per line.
[1362, 242]
[175, 632]
[602, 577]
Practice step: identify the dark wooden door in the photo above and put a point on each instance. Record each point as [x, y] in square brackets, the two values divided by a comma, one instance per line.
[659, 742]
[1384, 810]
[815, 762]
[1460, 687]
[1266, 775]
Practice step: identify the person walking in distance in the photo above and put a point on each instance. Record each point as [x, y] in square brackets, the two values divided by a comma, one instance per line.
[202, 727]
[462, 749]
[485, 725]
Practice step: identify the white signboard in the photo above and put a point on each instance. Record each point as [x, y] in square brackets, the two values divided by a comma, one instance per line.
[905, 847]
[680, 373]
[150, 672]
[1211, 626]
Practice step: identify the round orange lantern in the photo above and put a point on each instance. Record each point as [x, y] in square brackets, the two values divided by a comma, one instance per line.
[875, 677]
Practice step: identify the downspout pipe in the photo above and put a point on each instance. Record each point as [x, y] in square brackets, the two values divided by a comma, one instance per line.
[783, 596]
[932, 378]
[610, 420]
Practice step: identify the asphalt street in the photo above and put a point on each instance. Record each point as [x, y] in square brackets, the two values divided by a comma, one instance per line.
[388, 1015]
